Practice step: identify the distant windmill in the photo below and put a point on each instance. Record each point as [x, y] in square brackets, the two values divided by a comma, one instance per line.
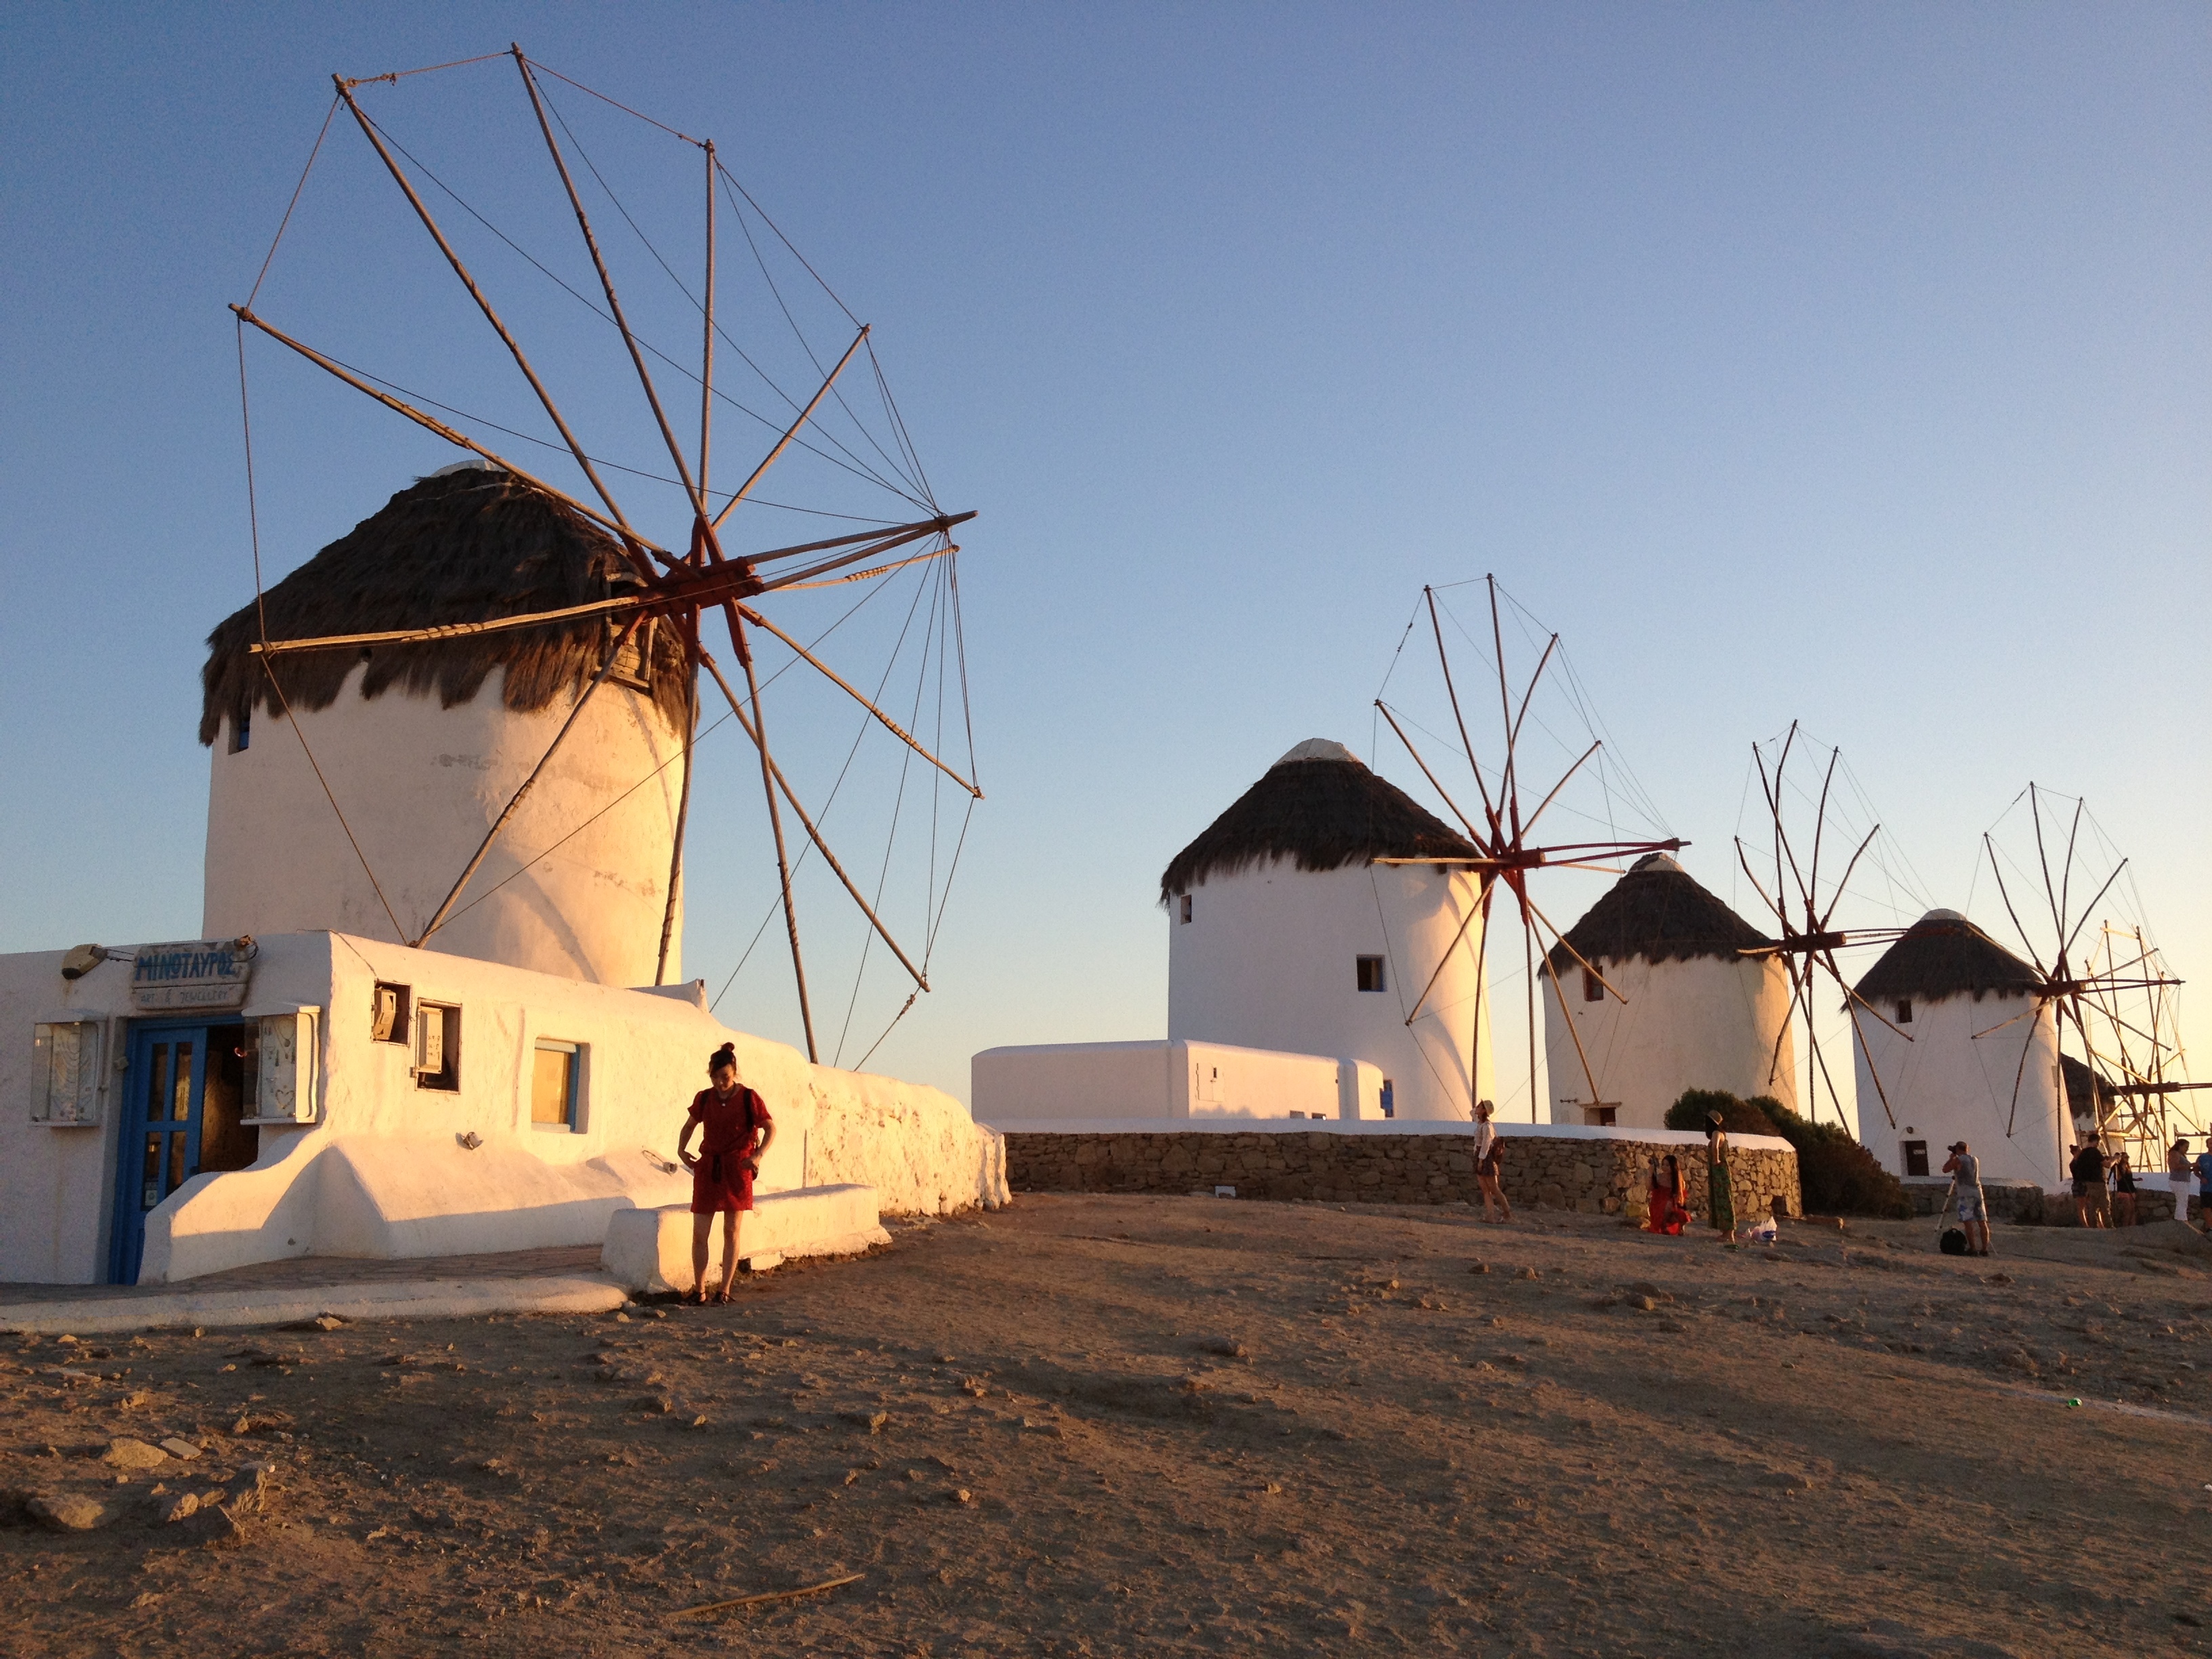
[1502, 833]
[1805, 921]
[2093, 1002]
[675, 584]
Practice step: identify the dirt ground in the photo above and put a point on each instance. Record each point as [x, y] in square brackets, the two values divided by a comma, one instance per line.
[1101, 1425]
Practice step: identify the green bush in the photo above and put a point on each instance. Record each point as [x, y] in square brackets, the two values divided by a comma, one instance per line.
[1738, 1116]
[1835, 1174]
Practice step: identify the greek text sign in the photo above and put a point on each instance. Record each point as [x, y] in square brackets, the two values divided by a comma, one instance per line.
[189, 974]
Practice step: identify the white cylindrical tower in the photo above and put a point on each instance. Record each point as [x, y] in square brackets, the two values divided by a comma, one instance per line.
[423, 745]
[1974, 1058]
[1288, 929]
[1692, 1010]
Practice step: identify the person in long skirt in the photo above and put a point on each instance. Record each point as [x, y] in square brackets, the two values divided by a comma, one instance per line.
[1489, 1163]
[735, 1130]
[1721, 1200]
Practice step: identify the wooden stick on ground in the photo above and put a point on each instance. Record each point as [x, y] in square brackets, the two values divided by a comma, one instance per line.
[702, 1611]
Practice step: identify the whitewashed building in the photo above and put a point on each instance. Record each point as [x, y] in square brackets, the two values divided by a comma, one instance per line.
[318, 1088]
[1324, 958]
[1686, 1008]
[1974, 1058]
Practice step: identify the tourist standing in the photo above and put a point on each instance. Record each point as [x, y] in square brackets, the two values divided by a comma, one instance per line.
[2124, 1190]
[1718, 1193]
[2204, 1185]
[2177, 1176]
[1489, 1164]
[1966, 1172]
[735, 1132]
[2089, 1172]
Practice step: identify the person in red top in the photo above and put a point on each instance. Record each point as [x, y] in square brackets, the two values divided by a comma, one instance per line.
[735, 1130]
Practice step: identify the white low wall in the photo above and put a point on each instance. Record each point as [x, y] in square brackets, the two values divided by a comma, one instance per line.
[1044, 1084]
[382, 1173]
[650, 1250]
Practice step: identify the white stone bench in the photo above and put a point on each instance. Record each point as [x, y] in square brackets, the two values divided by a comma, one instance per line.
[649, 1251]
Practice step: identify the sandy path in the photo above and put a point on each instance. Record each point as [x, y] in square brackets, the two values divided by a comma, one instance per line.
[1175, 1426]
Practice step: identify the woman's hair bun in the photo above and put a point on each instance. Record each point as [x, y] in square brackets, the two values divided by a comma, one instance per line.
[725, 1055]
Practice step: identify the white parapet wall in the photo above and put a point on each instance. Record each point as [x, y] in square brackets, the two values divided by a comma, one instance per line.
[1044, 1084]
[387, 1168]
[649, 1251]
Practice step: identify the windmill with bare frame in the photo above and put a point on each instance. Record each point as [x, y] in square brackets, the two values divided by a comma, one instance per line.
[2127, 1051]
[598, 628]
[1507, 852]
[1806, 935]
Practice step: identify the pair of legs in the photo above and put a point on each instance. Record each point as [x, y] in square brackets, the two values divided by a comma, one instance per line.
[1494, 1207]
[702, 1227]
[2089, 1209]
[2124, 1203]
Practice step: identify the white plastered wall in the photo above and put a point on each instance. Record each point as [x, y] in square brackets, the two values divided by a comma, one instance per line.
[1267, 961]
[419, 785]
[1699, 1024]
[1947, 1084]
[1050, 1082]
[384, 1174]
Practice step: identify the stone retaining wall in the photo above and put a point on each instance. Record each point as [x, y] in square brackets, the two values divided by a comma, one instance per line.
[1594, 1178]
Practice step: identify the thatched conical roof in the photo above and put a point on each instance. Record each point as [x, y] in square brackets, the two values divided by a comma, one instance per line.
[2088, 1096]
[1320, 808]
[1944, 955]
[463, 545]
[1660, 913]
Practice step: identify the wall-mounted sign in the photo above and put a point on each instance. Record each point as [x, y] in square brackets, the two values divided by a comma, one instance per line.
[192, 974]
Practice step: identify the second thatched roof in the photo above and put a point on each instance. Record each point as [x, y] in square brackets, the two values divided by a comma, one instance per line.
[1660, 913]
[1320, 808]
[463, 545]
[1944, 955]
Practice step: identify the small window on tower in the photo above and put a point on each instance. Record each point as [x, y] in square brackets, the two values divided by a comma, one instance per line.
[1592, 987]
[1904, 1012]
[1185, 907]
[241, 730]
[1371, 972]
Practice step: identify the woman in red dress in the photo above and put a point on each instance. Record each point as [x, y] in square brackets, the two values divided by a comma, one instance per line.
[735, 1132]
[1666, 1195]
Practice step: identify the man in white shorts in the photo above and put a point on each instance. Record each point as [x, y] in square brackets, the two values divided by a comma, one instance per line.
[1966, 1172]
[2178, 1176]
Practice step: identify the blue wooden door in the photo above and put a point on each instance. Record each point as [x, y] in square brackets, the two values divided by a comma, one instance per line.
[164, 1095]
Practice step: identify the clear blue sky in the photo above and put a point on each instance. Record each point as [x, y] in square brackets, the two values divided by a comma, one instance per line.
[1844, 364]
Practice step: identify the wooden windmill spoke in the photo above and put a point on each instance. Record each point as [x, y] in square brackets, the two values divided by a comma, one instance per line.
[1443, 658]
[1774, 1060]
[1561, 784]
[2007, 1024]
[2027, 943]
[1530, 912]
[792, 431]
[544, 760]
[2066, 943]
[1588, 967]
[1480, 906]
[1476, 835]
[607, 287]
[1528, 696]
[1837, 899]
[1508, 797]
[2050, 889]
[683, 800]
[631, 542]
[1866, 1051]
[813, 833]
[891, 570]
[756, 728]
[858, 697]
[687, 588]
[1821, 826]
[706, 343]
[1756, 887]
[888, 542]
